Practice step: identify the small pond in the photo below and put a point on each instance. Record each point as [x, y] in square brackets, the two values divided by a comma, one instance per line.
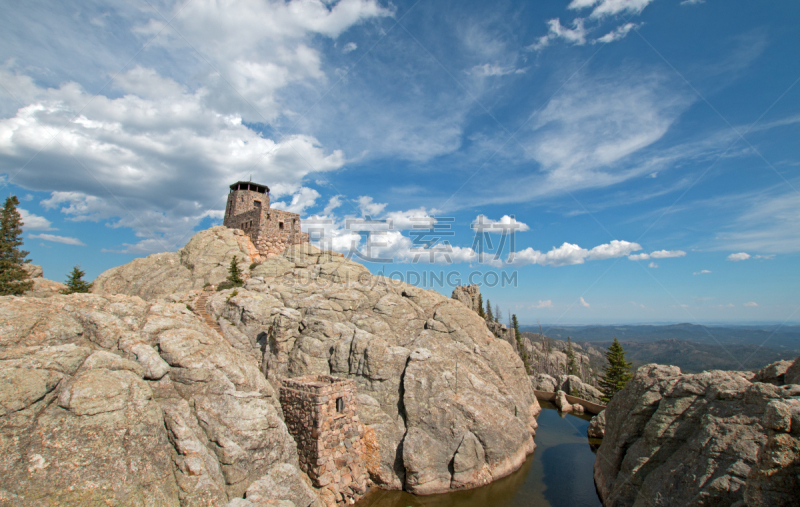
[558, 474]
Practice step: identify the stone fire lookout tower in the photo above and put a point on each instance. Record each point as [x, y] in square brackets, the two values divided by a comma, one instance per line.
[270, 230]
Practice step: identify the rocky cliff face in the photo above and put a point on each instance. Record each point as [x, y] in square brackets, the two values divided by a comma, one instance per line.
[449, 402]
[714, 438]
[203, 261]
[115, 401]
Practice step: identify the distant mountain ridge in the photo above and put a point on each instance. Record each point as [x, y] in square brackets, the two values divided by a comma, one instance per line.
[784, 338]
[693, 348]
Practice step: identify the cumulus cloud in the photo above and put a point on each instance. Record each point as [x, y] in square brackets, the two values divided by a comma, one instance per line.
[333, 203]
[302, 200]
[584, 303]
[506, 224]
[666, 254]
[660, 254]
[613, 249]
[544, 304]
[703, 272]
[349, 47]
[652, 265]
[31, 222]
[58, 239]
[751, 303]
[741, 256]
[368, 207]
[128, 155]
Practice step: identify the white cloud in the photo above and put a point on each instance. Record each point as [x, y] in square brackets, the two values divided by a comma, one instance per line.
[769, 221]
[620, 32]
[349, 47]
[584, 303]
[506, 224]
[584, 135]
[566, 254]
[604, 8]
[544, 304]
[139, 150]
[652, 265]
[31, 222]
[58, 239]
[660, 254]
[303, 199]
[488, 69]
[575, 35]
[333, 203]
[613, 249]
[692, 2]
[703, 272]
[741, 256]
[368, 207]
[764, 257]
[666, 254]
[751, 303]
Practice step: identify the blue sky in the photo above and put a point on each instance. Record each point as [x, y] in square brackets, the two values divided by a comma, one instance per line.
[647, 149]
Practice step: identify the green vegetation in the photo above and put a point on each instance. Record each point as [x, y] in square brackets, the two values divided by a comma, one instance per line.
[75, 282]
[254, 265]
[234, 273]
[572, 366]
[520, 343]
[616, 374]
[497, 313]
[489, 315]
[480, 306]
[13, 278]
[233, 294]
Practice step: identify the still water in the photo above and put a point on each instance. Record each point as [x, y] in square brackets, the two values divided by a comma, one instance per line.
[557, 474]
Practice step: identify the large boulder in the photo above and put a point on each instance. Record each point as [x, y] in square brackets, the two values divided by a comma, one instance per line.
[450, 404]
[110, 400]
[203, 261]
[713, 438]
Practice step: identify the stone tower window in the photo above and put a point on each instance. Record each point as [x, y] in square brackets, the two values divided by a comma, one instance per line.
[340, 405]
[280, 225]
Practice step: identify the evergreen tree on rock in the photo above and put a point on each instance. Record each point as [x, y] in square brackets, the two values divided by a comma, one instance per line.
[75, 282]
[497, 313]
[616, 374]
[489, 315]
[234, 273]
[14, 280]
[522, 350]
[572, 366]
[480, 306]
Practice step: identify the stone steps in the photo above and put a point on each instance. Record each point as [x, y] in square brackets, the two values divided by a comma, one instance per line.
[200, 311]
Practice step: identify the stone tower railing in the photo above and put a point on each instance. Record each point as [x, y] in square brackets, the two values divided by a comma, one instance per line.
[320, 413]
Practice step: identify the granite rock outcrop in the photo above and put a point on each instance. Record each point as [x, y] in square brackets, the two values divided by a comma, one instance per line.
[449, 402]
[111, 400]
[713, 438]
[203, 261]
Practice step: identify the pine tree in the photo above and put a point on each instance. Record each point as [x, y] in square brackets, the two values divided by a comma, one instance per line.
[489, 315]
[497, 313]
[75, 282]
[522, 350]
[617, 373]
[480, 306]
[572, 367]
[234, 273]
[13, 279]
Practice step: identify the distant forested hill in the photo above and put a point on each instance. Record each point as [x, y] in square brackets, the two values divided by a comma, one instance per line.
[691, 347]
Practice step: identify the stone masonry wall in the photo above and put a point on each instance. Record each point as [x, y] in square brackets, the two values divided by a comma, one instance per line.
[330, 438]
[262, 223]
